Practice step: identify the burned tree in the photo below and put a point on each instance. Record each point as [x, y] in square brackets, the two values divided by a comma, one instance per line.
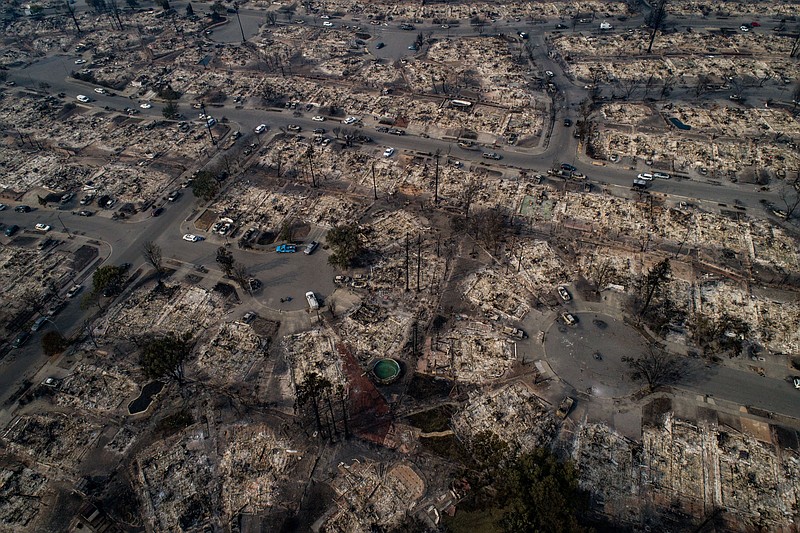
[152, 254]
[655, 20]
[656, 367]
[652, 285]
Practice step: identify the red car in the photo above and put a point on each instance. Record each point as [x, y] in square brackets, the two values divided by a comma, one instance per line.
[754, 24]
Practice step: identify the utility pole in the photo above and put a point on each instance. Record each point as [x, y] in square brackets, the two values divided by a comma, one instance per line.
[236, 7]
[406, 261]
[374, 184]
[419, 258]
[208, 126]
[436, 182]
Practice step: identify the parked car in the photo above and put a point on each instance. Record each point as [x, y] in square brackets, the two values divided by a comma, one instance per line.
[67, 197]
[3, 207]
[21, 338]
[22, 209]
[318, 118]
[388, 152]
[43, 227]
[492, 155]
[286, 248]
[249, 317]
[56, 308]
[567, 123]
[99, 90]
[192, 238]
[796, 382]
[75, 289]
[564, 293]
[261, 128]
[310, 247]
[157, 211]
[569, 319]
[83, 98]
[11, 230]
[293, 127]
[568, 167]
[86, 213]
[661, 175]
[646, 176]
[173, 195]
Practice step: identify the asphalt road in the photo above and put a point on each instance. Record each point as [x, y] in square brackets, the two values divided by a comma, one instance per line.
[125, 239]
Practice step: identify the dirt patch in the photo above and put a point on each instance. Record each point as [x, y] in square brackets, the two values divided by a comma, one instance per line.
[653, 413]
[83, 256]
[423, 387]
[437, 419]
[205, 220]
[266, 328]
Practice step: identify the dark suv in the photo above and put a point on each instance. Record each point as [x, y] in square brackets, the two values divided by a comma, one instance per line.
[11, 230]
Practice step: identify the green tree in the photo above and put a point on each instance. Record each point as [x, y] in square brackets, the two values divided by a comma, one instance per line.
[205, 185]
[170, 110]
[53, 343]
[543, 495]
[106, 276]
[167, 92]
[346, 245]
[164, 356]
[225, 260]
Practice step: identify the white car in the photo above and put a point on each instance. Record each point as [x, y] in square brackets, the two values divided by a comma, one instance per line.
[145, 105]
[261, 128]
[99, 90]
[744, 28]
[646, 176]
[549, 73]
[564, 293]
[318, 118]
[75, 289]
[328, 24]
[83, 98]
[388, 152]
[43, 227]
[350, 120]
[80, 61]
[326, 17]
[192, 238]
